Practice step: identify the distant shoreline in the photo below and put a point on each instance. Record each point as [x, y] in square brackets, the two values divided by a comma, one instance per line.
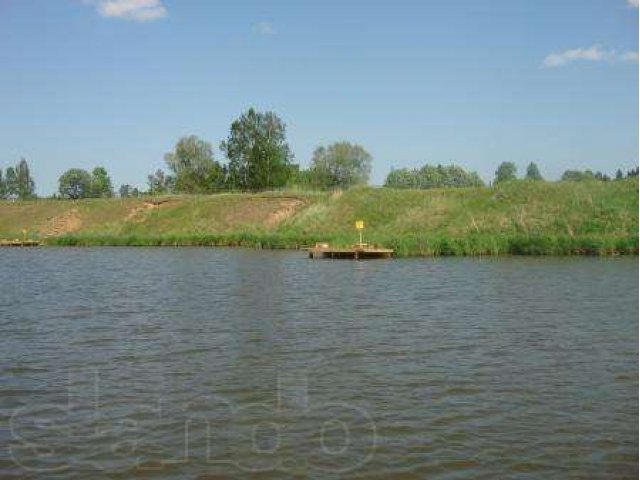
[471, 246]
[517, 218]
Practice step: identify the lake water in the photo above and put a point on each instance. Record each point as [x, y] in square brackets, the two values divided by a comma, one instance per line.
[219, 363]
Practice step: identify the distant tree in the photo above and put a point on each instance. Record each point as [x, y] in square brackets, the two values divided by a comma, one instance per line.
[258, 153]
[430, 176]
[193, 166]
[447, 176]
[101, 183]
[506, 171]
[75, 183]
[25, 184]
[633, 172]
[159, 183]
[125, 190]
[11, 183]
[403, 178]
[533, 173]
[3, 186]
[619, 174]
[303, 179]
[577, 175]
[341, 165]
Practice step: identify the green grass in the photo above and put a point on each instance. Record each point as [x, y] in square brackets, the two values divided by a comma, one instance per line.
[411, 246]
[518, 218]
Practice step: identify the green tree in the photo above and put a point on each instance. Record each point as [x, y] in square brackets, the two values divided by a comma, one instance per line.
[75, 183]
[11, 183]
[3, 186]
[577, 176]
[506, 171]
[125, 190]
[101, 183]
[159, 183]
[341, 165]
[193, 166]
[302, 179]
[25, 184]
[429, 176]
[258, 153]
[533, 172]
[403, 178]
[619, 174]
[128, 191]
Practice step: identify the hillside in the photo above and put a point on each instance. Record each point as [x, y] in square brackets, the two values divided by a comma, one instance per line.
[519, 218]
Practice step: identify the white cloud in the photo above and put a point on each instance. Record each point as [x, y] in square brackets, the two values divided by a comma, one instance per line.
[264, 28]
[633, 3]
[630, 57]
[136, 10]
[593, 54]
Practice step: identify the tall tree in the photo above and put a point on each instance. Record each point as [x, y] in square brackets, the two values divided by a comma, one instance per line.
[193, 166]
[25, 184]
[75, 183]
[533, 172]
[159, 183]
[11, 183]
[3, 186]
[619, 174]
[101, 183]
[506, 171]
[341, 164]
[258, 153]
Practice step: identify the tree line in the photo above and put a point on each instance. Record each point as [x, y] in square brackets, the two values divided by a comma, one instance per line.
[258, 157]
[451, 176]
[430, 176]
[508, 171]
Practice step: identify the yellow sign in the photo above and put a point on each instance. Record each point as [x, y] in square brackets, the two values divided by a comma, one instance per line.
[360, 224]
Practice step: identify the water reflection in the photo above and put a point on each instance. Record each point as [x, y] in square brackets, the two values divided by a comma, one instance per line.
[193, 362]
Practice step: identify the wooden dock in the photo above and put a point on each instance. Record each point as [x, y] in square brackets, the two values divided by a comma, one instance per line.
[357, 252]
[19, 243]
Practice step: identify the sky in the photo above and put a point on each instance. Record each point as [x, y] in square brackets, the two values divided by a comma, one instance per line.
[116, 83]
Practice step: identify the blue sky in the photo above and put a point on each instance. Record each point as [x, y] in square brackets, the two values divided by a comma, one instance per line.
[117, 82]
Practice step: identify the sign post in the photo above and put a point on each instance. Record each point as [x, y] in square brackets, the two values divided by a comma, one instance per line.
[360, 227]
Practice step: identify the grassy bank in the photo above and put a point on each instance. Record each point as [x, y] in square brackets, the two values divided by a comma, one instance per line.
[524, 218]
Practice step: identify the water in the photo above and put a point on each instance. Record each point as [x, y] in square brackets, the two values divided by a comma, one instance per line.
[214, 363]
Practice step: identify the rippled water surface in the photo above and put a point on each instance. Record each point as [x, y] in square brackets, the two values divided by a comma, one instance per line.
[204, 363]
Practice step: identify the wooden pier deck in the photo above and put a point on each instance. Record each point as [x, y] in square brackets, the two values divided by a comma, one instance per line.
[19, 243]
[356, 252]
